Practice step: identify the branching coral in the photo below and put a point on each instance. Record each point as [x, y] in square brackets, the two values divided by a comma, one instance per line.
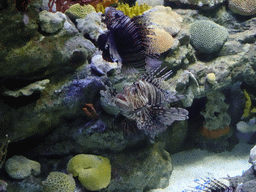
[134, 10]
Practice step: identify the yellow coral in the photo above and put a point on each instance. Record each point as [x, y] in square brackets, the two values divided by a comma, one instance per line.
[57, 181]
[248, 104]
[100, 7]
[134, 10]
[94, 172]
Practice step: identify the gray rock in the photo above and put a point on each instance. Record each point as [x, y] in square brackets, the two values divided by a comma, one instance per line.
[51, 22]
[91, 25]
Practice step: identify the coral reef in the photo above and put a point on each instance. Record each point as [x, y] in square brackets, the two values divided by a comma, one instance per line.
[207, 36]
[78, 11]
[58, 181]
[242, 7]
[94, 172]
[19, 167]
[200, 3]
[134, 10]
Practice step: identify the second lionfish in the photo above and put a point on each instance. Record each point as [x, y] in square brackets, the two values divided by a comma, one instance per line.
[126, 41]
[147, 103]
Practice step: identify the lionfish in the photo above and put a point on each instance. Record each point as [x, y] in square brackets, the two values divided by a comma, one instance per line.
[126, 42]
[146, 103]
[214, 185]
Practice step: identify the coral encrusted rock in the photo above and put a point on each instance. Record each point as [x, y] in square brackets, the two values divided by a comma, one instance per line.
[207, 36]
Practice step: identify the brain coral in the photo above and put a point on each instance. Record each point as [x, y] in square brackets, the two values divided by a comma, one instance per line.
[207, 36]
[94, 172]
[19, 167]
[57, 181]
[243, 7]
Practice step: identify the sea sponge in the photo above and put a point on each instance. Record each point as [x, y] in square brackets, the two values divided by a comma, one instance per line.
[78, 11]
[243, 7]
[19, 167]
[58, 181]
[100, 7]
[207, 36]
[94, 172]
[134, 10]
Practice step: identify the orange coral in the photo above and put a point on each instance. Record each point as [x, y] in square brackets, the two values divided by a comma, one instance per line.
[214, 134]
[90, 111]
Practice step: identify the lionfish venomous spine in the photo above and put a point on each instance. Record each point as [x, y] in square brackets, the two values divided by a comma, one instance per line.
[147, 103]
[126, 42]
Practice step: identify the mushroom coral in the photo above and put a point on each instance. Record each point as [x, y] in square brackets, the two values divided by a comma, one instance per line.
[94, 172]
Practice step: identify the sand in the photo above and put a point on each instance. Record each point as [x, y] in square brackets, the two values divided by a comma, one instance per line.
[193, 164]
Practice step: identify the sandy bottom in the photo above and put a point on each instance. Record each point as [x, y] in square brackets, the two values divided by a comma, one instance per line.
[194, 164]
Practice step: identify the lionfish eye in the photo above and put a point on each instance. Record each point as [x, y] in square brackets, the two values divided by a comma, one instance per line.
[120, 96]
[118, 14]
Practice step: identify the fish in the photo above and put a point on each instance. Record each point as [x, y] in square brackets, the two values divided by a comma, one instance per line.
[126, 42]
[147, 103]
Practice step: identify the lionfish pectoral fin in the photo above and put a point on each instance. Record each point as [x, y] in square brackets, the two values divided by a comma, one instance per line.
[112, 49]
[173, 114]
[152, 64]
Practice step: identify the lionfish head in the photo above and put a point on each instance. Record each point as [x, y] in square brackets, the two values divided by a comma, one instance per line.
[131, 98]
[111, 15]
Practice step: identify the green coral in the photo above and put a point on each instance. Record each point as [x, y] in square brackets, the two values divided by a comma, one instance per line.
[134, 10]
[57, 181]
[94, 172]
[78, 11]
[207, 36]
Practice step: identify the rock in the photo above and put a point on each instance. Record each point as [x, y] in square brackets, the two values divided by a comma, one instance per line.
[19, 167]
[200, 3]
[51, 22]
[252, 158]
[103, 67]
[207, 36]
[91, 25]
[242, 7]
[140, 169]
[151, 2]
[28, 90]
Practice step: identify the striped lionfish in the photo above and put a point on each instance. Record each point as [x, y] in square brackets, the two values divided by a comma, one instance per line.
[126, 42]
[214, 185]
[146, 103]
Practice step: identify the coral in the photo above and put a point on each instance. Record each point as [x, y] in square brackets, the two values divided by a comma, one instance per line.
[134, 10]
[78, 11]
[160, 41]
[207, 36]
[90, 111]
[243, 7]
[94, 172]
[57, 181]
[63, 5]
[19, 167]
[213, 134]
[248, 104]
[28, 90]
[217, 119]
